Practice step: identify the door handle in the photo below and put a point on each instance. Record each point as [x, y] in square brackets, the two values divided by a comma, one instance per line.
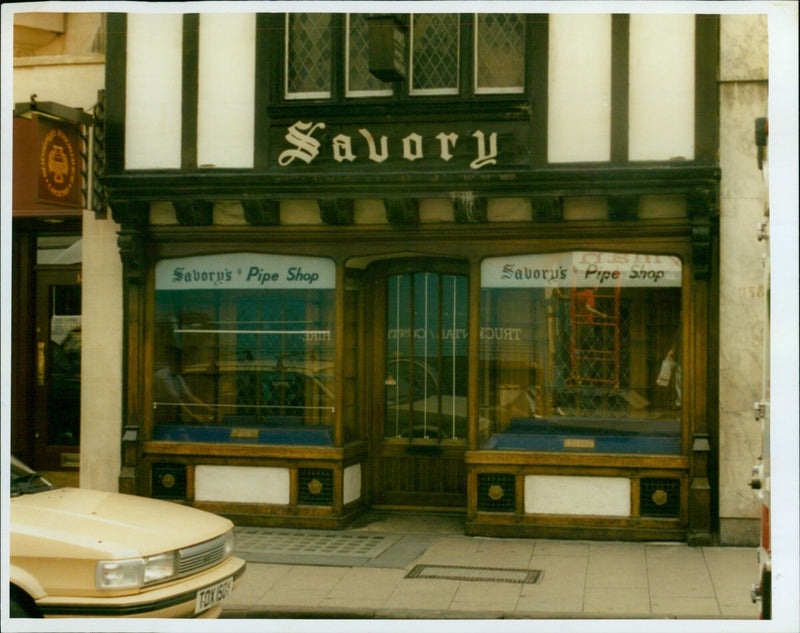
[40, 368]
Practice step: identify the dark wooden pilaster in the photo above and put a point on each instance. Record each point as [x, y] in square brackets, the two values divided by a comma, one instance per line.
[131, 241]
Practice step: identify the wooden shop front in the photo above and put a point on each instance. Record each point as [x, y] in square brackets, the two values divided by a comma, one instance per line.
[403, 303]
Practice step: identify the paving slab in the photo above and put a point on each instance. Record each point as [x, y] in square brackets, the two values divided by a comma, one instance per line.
[331, 578]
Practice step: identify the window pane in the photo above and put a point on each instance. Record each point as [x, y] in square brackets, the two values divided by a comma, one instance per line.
[244, 349]
[426, 345]
[500, 52]
[308, 63]
[434, 53]
[360, 82]
[581, 351]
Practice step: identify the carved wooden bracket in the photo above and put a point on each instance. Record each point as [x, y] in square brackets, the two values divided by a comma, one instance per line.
[703, 212]
[402, 211]
[336, 211]
[261, 211]
[130, 241]
[192, 212]
[547, 208]
[135, 212]
[625, 207]
[469, 208]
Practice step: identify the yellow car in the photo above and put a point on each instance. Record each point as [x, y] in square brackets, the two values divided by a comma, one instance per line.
[85, 553]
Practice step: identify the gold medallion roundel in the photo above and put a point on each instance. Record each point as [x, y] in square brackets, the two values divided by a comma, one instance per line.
[58, 163]
[659, 497]
[315, 486]
[495, 492]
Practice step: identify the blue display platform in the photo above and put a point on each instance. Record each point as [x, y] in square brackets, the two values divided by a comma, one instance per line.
[595, 435]
[282, 432]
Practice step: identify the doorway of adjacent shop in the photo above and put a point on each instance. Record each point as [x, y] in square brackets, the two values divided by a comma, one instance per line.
[419, 386]
[46, 349]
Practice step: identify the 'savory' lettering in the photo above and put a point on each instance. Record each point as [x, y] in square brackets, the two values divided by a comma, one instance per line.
[306, 148]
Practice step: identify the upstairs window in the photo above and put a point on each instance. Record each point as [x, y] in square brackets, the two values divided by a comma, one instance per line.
[360, 82]
[499, 53]
[435, 55]
[308, 60]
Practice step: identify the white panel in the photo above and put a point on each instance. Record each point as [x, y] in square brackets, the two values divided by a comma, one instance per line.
[579, 96]
[226, 90]
[661, 98]
[352, 484]
[241, 484]
[153, 91]
[603, 496]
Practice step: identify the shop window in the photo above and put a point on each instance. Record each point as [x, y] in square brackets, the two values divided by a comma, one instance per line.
[581, 351]
[244, 349]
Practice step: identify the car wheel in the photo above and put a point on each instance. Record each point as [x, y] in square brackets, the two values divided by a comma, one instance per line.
[21, 606]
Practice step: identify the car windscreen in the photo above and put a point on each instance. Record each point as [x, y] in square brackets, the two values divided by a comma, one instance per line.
[25, 481]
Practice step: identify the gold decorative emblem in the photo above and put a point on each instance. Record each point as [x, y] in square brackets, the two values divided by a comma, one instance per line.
[315, 486]
[495, 492]
[57, 162]
[168, 480]
[659, 497]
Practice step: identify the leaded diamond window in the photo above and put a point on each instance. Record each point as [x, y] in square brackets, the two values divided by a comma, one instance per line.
[308, 59]
[434, 53]
[499, 52]
[360, 82]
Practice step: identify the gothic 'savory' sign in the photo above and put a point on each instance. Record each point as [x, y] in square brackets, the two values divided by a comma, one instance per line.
[471, 147]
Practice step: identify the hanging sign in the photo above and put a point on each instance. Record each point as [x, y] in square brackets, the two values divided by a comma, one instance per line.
[58, 163]
[246, 271]
[582, 269]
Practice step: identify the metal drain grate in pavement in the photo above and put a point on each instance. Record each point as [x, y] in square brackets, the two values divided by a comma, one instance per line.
[484, 574]
[310, 547]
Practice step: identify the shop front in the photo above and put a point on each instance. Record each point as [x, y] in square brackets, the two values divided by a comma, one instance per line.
[401, 302]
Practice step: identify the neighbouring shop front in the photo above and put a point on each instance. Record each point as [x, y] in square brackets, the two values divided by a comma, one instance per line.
[410, 297]
[49, 185]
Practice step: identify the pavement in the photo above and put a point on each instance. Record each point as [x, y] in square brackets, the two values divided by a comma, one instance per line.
[397, 566]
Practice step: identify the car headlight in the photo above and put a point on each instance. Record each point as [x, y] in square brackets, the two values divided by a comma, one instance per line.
[135, 572]
[230, 543]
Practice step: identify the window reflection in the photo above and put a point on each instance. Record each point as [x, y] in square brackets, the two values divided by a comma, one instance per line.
[581, 351]
[426, 373]
[244, 350]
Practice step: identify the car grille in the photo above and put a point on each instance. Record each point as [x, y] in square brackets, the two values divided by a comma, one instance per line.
[198, 557]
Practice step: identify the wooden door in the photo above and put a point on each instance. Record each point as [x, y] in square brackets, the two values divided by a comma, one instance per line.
[57, 407]
[420, 384]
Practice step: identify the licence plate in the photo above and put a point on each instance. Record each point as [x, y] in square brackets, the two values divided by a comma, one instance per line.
[210, 596]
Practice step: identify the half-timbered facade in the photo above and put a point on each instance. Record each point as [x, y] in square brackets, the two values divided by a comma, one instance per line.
[426, 261]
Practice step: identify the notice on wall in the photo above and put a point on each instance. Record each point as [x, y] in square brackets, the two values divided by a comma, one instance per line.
[582, 269]
[246, 271]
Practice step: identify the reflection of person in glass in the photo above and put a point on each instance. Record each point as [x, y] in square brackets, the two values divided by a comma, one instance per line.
[585, 304]
[671, 371]
[170, 387]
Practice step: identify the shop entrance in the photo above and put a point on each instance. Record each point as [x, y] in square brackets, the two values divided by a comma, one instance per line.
[57, 405]
[420, 384]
